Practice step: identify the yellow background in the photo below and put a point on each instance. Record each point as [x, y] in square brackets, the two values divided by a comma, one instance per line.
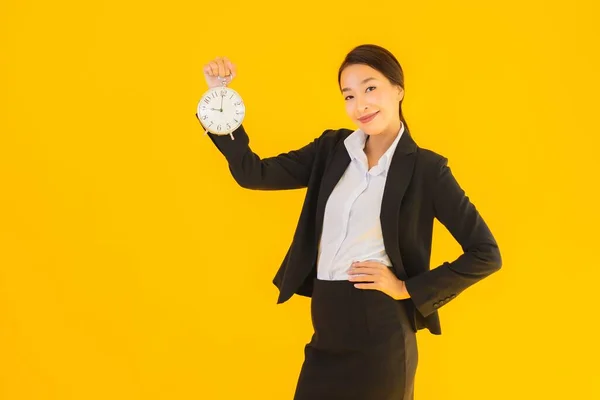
[133, 267]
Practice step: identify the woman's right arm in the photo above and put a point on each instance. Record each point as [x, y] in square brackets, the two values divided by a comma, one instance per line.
[289, 170]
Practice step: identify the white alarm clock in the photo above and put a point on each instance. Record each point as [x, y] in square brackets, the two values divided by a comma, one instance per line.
[221, 110]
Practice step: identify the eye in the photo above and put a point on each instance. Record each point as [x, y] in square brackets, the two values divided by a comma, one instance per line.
[365, 90]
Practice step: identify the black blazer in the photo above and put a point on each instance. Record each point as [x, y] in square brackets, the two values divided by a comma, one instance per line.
[419, 187]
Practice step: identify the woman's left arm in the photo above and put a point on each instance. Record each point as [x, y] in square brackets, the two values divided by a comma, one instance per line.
[481, 256]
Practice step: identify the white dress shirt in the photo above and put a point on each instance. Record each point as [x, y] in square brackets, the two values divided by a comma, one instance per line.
[351, 225]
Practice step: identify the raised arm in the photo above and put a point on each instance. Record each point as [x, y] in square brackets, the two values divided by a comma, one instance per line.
[289, 170]
[481, 257]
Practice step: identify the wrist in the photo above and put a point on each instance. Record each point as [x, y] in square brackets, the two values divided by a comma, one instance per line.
[401, 292]
[404, 290]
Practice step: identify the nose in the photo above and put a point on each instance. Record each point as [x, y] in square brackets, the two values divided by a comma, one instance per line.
[361, 105]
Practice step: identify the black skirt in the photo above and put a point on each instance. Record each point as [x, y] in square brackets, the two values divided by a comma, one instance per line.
[363, 346]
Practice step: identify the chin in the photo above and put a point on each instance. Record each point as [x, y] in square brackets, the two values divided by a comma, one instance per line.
[372, 131]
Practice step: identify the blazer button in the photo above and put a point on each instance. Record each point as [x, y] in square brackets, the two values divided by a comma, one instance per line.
[435, 304]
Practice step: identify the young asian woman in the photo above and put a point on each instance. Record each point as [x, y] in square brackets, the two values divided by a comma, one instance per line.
[361, 249]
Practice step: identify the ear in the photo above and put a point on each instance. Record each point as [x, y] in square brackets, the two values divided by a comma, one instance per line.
[400, 94]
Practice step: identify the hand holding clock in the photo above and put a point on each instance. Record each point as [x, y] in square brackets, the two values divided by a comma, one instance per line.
[230, 114]
[217, 69]
[214, 71]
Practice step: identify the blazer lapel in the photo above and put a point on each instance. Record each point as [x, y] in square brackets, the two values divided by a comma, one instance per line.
[398, 177]
[332, 174]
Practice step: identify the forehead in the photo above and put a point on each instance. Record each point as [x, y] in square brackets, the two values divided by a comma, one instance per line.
[353, 75]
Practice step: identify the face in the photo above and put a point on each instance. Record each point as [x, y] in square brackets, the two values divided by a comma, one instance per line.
[366, 91]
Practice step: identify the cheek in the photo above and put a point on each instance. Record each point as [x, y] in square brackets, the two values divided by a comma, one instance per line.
[378, 99]
[349, 108]
[384, 104]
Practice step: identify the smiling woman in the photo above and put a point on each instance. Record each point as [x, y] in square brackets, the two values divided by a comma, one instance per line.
[372, 197]
[371, 352]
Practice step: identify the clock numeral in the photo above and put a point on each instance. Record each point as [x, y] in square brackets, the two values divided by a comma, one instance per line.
[223, 92]
[232, 94]
[228, 126]
[237, 103]
[214, 94]
[219, 127]
[236, 121]
[205, 117]
[207, 101]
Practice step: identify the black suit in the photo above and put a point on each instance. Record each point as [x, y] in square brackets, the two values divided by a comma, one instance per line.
[419, 187]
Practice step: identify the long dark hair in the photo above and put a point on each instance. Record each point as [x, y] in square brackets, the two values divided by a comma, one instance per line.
[380, 59]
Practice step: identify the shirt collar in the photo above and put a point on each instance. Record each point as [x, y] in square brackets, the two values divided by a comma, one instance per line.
[355, 144]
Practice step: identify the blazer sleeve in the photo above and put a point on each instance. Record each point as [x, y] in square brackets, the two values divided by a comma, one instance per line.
[289, 170]
[481, 256]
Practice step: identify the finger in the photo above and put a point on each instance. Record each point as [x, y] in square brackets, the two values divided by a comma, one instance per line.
[369, 286]
[231, 67]
[214, 68]
[362, 278]
[372, 269]
[374, 265]
[207, 70]
[226, 71]
[364, 270]
[221, 66]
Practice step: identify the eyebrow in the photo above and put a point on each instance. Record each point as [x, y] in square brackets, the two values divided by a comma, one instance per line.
[363, 82]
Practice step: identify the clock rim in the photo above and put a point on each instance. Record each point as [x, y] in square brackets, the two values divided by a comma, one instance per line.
[236, 126]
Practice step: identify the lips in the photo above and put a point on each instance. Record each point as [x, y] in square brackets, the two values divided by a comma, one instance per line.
[368, 118]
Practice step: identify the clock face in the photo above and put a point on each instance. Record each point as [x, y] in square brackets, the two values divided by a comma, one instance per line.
[221, 110]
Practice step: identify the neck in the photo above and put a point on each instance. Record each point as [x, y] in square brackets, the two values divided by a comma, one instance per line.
[378, 144]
